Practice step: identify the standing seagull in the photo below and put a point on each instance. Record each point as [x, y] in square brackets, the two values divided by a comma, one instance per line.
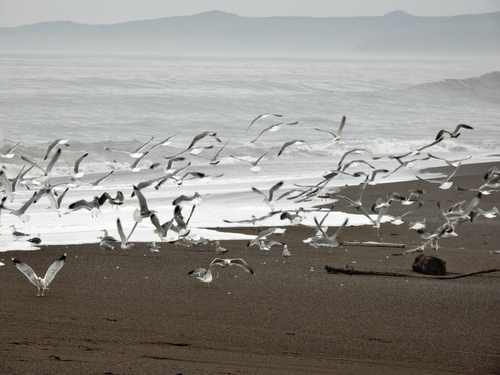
[40, 283]
[16, 234]
[338, 136]
[286, 253]
[154, 247]
[219, 249]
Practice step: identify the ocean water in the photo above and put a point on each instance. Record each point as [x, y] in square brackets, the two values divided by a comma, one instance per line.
[121, 102]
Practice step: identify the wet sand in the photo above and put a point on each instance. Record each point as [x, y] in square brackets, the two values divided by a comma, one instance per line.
[109, 313]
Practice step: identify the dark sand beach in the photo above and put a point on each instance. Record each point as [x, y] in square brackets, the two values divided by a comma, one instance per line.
[109, 313]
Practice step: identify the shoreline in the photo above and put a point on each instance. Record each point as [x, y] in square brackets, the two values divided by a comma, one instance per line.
[106, 312]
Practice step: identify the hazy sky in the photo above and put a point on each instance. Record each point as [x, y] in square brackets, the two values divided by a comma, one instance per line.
[23, 12]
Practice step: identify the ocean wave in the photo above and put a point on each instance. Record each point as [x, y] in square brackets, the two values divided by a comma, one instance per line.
[486, 86]
[99, 160]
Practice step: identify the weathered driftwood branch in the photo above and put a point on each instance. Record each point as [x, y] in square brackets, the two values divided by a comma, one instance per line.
[348, 270]
[373, 244]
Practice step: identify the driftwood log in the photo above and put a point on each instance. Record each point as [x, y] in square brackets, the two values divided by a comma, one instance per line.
[373, 244]
[349, 270]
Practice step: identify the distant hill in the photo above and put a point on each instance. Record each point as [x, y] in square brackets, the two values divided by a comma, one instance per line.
[220, 34]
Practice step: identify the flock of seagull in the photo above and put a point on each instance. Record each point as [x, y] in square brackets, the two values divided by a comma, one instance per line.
[177, 229]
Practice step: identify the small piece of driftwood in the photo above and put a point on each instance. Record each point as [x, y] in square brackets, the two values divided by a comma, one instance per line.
[373, 244]
[349, 270]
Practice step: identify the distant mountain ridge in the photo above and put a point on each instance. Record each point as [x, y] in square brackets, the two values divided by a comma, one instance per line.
[220, 33]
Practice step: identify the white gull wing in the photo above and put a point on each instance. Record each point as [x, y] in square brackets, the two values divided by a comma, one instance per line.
[53, 161]
[232, 262]
[76, 168]
[53, 269]
[27, 271]
[263, 115]
[289, 143]
[119, 227]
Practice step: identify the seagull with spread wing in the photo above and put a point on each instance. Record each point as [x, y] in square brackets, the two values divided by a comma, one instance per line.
[269, 197]
[290, 143]
[261, 116]
[40, 283]
[255, 168]
[338, 136]
[205, 274]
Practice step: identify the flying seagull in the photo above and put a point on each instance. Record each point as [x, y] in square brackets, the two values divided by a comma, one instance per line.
[263, 245]
[255, 168]
[264, 115]
[40, 283]
[54, 144]
[137, 153]
[76, 169]
[338, 136]
[324, 239]
[444, 183]
[262, 235]
[185, 200]
[289, 143]
[9, 153]
[269, 198]
[144, 211]
[454, 133]
[273, 128]
[21, 211]
[203, 135]
[116, 201]
[257, 221]
[125, 245]
[214, 160]
[205, 274]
